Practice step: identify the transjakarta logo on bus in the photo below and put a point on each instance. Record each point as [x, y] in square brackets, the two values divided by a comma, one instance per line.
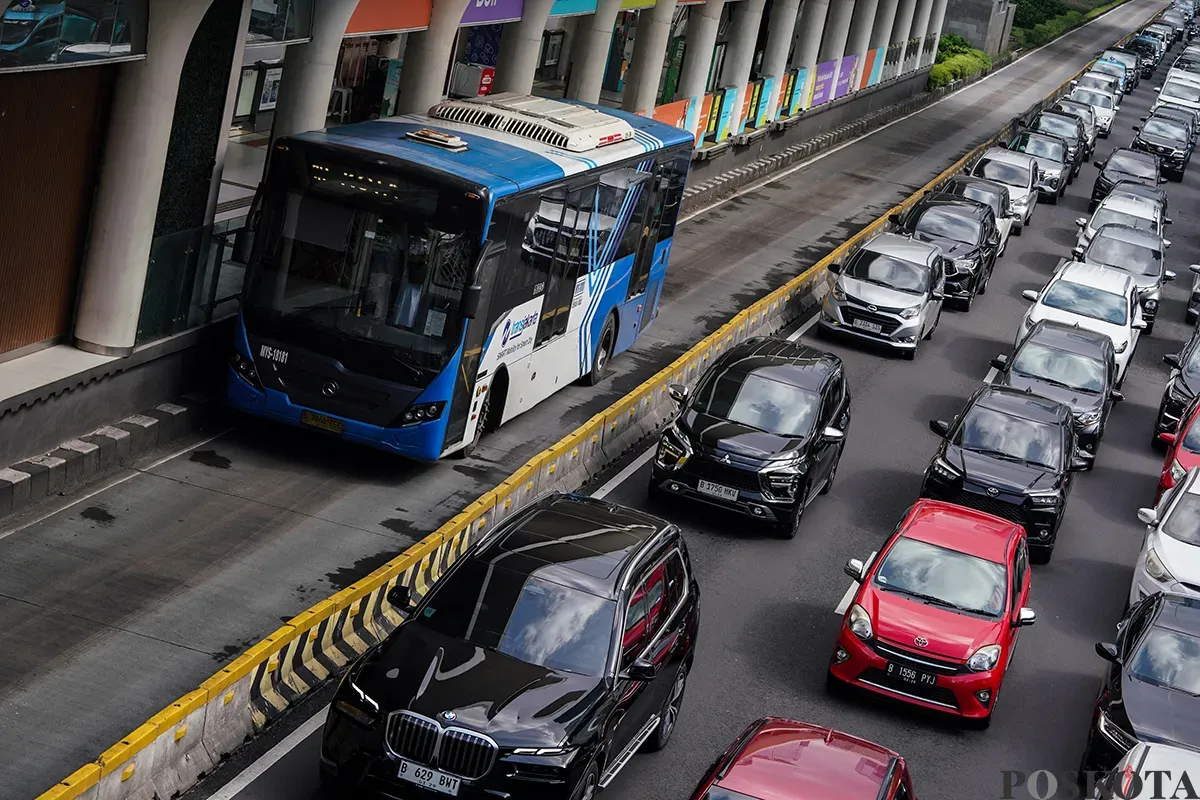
[514, 328]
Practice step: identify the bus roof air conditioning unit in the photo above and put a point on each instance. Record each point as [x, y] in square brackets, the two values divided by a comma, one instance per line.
[566, 126]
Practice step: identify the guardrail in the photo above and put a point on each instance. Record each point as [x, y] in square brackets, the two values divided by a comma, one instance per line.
[186, 740]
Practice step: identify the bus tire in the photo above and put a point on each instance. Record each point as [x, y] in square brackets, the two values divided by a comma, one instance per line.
[603, 354]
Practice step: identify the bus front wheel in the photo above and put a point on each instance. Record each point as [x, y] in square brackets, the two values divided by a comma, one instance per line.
[604, 350]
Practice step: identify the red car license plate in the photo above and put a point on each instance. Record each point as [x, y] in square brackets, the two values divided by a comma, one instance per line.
[907, 676]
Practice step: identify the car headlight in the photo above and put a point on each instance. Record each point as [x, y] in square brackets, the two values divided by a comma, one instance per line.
[984, 658]
[1122, 347]
[838, 293]
[859, 622]
[965, 264]
[673, 447]
[1150, 304]
[359, 708]
[1089, 417]
[1155, 568]
[1177, 470]
[1178, 394]
[1113, 733]
[944, 468]
[1048, 499]
[542, 751]
[910, 312]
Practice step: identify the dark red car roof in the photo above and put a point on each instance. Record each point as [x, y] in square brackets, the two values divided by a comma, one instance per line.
[963, 529]
[789, 760]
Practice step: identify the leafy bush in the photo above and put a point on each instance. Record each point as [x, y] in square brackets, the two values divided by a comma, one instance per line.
[1043, 32]
[956, 67]
[952, 45]
[1031, 13]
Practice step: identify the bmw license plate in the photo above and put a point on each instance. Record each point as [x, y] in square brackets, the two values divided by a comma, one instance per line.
[869, 327]
[428, 778]
[717, 490]
[907, 676]
[323, 422]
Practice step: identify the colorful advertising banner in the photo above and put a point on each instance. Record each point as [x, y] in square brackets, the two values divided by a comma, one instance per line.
[796, 101]
[629, 5]
[877, 67]
[823, 84]
[845, 75]
[729, 96]
[697, 117]
[765, 114]
[675, 114]
[868, 64]
[375, 16]
[485, 11]
[563, 8]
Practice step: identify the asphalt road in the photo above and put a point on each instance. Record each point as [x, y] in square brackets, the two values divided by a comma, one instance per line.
[772, 608]
[114, 606]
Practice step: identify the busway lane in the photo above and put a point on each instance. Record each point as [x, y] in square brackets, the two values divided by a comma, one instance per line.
[207, 553]
[770, 607]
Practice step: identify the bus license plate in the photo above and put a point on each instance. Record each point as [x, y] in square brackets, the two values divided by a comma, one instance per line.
[869, 327]
[323, 422]
[910, 676]
[717, 490]
[428, 778]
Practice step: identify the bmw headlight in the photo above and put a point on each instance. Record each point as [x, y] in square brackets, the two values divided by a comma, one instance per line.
[358, 707]
[984, 658]
[944, 468]
[911, 312]
[542, 751]
[1177, 470]
[1049, 499]
[1155, 568]
[859, 622]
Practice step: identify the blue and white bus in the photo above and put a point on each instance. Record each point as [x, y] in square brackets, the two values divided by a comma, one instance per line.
[417, 280]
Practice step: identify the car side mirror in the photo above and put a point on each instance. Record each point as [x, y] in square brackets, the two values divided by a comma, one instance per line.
[1172, 360]
[1074, 83]
[855, 569]
[936, 295]
[1139, 325]
[1081, 222]
[1168, 275]
[1030, 295]
[1079, 462]
[835, 268]
[832, 434]
[1162, 179]
[1026, 617]
[1167, 437]
[1098, 164]
[1116, 395]
[1000, 362]
[1077, 251]
[642, 670]
[940, 427]
[1166, 243]
[1167, 220]
[895, 219]
[1148, 515]
[400, 597]
[679, 393]
[1138, 127]
[1195, 268]
[1108, 651]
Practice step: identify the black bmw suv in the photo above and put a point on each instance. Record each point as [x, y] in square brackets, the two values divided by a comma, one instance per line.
[1012, 454]
[537, 666]
[762, 433]
[1150, 693]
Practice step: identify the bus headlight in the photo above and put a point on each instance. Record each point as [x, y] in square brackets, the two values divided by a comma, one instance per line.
[421, 412]
[245, 370]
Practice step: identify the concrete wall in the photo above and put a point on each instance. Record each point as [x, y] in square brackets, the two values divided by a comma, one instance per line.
[983, 23]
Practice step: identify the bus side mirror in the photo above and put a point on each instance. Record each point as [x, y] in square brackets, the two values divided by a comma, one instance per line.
[470, 301]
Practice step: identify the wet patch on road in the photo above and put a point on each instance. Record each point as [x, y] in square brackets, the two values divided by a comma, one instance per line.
[402, 527]
[210, 458]
[97, 514]
[346, 576]
[231, 651]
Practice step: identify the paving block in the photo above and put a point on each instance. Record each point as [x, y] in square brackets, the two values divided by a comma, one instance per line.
[90, 457]
[73, 467]
[53, 477]
[144, 432]
[14, 490]
[120, 439]
[173, 420]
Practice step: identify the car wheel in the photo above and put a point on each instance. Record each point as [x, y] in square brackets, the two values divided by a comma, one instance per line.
[670, 714]
[984, 279]
[604, 349]
[1053, 199]
[789, 526]
[1017, 230]
[589, 784]
[1149, 329]
[485, 410]
[1041, 553]
[833, 470]
[936, 321]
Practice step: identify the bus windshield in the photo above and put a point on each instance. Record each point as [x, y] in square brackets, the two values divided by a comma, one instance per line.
[388, 271]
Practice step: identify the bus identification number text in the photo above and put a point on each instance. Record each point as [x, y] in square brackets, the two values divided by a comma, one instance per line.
[273, 354]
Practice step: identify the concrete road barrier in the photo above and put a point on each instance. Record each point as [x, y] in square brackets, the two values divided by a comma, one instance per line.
[187, 739]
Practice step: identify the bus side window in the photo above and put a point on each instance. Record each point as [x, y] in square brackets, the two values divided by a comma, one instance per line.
[517, 276]
[675, 169]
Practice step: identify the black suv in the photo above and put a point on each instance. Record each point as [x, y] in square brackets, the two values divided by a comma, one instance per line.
[1069, 364]
[1124, 164]
[1169, 140]
[966, 232]
[549, 653]
[1012, 454]
[1182, 387]
[1148, 694]
[762, 434]
[1070, 129]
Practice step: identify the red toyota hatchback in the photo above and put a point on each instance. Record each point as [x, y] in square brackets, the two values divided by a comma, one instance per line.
[1183, 449]
[936, 615]
[781, 759]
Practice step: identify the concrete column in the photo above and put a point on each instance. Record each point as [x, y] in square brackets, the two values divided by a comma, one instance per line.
[920, 27]
[808, 45]
[390, 47]
[591, 52]
[861, 26]
[736, 72]
[779, 41]
[427, 58]
[904, 20]
[837, 30]
[520, 47]
[235, 79]
[131, 176]
[885, 20]
[937, 19]
[649, 51]
[702, 24]
[308, 71]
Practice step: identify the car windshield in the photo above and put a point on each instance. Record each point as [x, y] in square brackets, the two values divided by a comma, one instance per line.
[761, 399]
[1183, 521]
[1002, 172]
[1102, 82]
[1072, 370]
[1110, 216]
[1112, 68]
[1191, 442]
[949, 577]
[1170, 129]
[1083, 112]
[986, 196]
[1098, 99]
[948, 224]
[1186, 64]
[1133, 258]
[1170, 659]
[995, 433]
[1178, 90]
[1057, 125]
[1043, 147]
[884, 270]
[1087, 301]
[1130, 164]
[524, 616]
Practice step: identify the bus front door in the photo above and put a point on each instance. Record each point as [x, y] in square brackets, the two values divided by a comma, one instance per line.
[642, 296]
